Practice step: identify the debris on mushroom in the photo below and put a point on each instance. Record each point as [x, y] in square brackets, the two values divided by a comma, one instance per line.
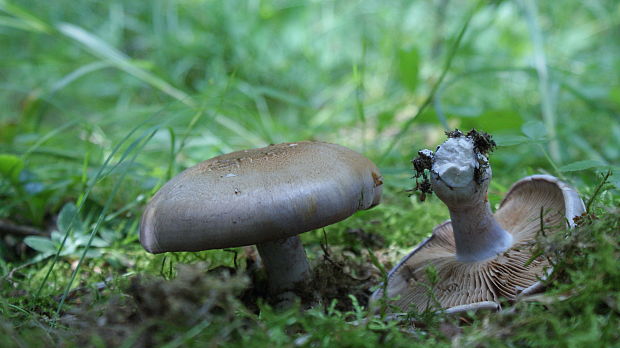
[479, 257]
[263, 197]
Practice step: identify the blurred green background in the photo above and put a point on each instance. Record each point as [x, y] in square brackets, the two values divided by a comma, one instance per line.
[104, 101]
[80, 78]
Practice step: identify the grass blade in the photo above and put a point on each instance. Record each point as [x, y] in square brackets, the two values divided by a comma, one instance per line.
[26, 20]
[544, 86]
[100, 174]
[137, 145]
[104, 51]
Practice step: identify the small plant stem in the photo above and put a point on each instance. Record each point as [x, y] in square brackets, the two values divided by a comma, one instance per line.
[358, 75]
[172, 154]
[542, 222]
[556, 169]
[597, 190]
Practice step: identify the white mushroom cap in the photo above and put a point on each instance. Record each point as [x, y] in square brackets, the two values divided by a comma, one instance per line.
[472, 285]
[259, 195]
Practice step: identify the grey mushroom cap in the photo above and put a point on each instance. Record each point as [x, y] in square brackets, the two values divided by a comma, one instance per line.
[259, 195]
[463, 286]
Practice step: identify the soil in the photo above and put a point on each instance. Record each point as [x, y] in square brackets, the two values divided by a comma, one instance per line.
[421, 167]
[143, 307]
[483, 142]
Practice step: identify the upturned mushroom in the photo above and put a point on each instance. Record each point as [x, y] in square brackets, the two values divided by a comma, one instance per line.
[263, 197]
[479, 257]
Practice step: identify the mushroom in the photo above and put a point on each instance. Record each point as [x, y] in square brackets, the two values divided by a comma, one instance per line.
[479, 258]
[263, 197]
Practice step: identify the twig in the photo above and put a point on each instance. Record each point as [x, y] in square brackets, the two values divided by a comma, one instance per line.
[9, 276]
[82, 290]
[229, 250]
[338, 265]
[325, 247]
[8, 227]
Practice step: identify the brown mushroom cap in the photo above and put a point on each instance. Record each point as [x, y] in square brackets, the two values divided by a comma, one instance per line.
[469, 285]
[258, 195]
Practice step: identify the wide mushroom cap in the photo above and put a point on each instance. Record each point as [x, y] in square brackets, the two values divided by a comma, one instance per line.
[473, 285]
[258, 195]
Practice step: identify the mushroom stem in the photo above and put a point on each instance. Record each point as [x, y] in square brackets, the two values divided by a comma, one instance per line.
[478, 236]
[460, 177]
[286, 263]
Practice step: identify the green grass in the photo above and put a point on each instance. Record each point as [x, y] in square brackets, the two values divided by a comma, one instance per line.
[103, 102]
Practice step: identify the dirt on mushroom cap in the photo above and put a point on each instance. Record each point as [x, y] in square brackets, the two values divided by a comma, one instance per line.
[483, 145]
